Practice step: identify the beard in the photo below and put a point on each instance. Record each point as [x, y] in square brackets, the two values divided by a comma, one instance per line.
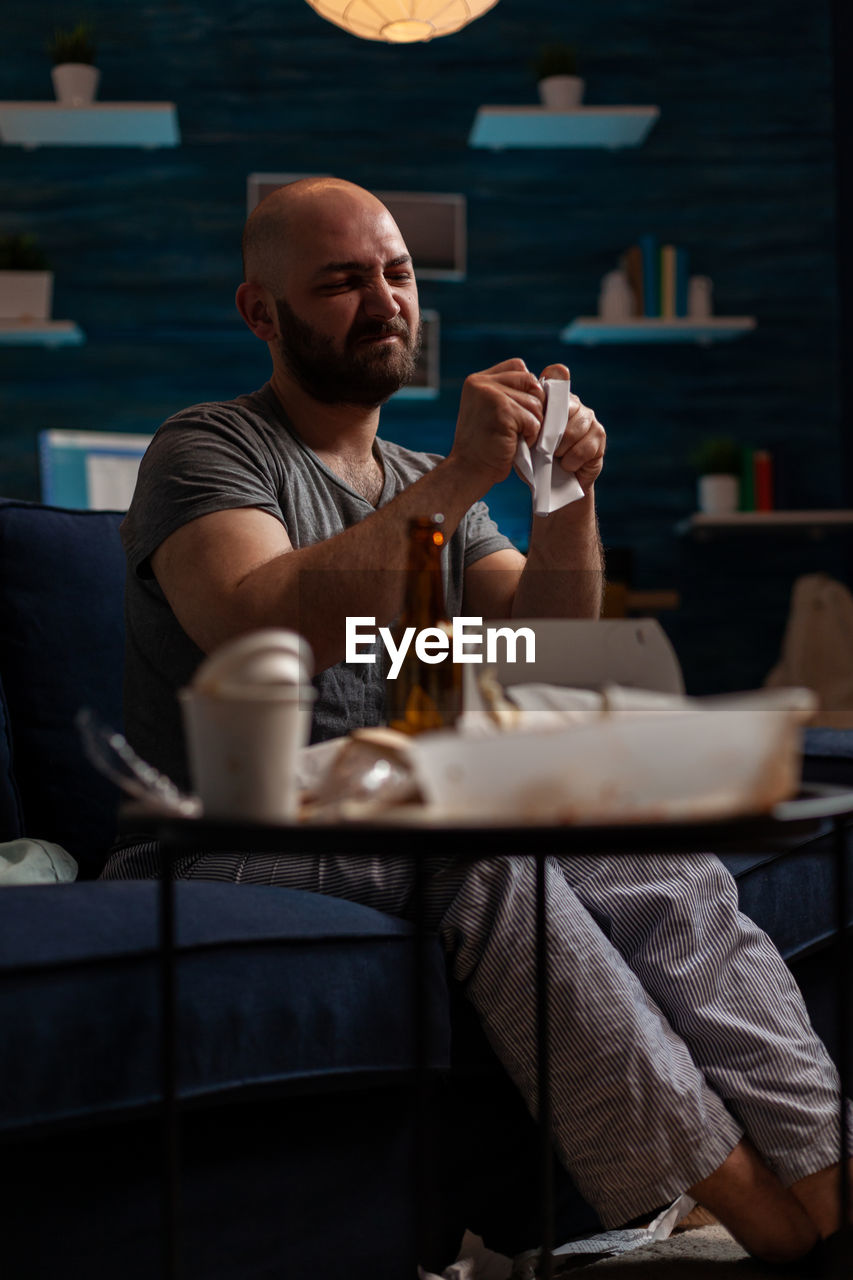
[361, 375]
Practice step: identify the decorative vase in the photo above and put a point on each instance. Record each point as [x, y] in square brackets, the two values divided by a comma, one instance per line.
[75, 83]
[700, 294]
[718, 494]
[561, 93]
[26, 295]
[615, 301]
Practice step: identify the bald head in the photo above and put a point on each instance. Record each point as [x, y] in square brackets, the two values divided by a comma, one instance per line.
[280, 228]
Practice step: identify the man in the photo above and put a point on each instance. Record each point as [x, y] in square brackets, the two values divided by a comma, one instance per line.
[677, 1024]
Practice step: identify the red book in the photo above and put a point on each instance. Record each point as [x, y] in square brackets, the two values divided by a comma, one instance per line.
[763, 473]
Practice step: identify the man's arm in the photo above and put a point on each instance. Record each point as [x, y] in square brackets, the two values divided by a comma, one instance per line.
[235, 571]
[564, 574]
[561, 577]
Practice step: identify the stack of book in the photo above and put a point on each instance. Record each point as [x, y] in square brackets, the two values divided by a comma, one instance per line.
[756, 480]
[657, 276]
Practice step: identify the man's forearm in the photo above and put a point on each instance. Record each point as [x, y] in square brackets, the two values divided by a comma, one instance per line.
[564, 574]
[359, 572]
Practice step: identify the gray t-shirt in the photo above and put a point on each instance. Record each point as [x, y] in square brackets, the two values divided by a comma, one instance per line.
[243, 453]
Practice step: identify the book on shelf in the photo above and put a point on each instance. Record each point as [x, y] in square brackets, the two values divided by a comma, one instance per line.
[682, 264]
[650, 257]
[657, 277]
[667, 281]
[757, 485]
[763, 479]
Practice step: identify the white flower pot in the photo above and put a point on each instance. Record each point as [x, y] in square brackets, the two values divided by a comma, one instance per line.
[561, 93]
[718, 495]
[26, 295]
[75, 83]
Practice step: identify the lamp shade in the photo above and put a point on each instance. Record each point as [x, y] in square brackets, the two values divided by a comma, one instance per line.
[401, 21]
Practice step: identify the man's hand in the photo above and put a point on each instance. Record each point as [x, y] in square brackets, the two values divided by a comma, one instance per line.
[507, 401]
[498, 405]
[581, 449]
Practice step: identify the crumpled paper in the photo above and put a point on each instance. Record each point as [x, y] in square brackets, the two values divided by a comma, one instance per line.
[551, 486]
[476, 1262]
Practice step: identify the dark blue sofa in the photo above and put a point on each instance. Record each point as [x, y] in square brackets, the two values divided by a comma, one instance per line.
[298, 1115]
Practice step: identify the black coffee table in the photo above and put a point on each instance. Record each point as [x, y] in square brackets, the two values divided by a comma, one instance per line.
[805, 816]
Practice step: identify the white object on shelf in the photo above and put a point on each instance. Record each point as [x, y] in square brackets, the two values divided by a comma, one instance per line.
[700, 297]
[498, 127]
[561, 93]
[615, 301]
[591, 330]
[75, 83]
[718, 494]
[26, 296]
[100, 124]
[41, 333]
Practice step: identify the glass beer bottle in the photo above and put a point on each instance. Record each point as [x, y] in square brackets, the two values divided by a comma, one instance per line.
[424, 695]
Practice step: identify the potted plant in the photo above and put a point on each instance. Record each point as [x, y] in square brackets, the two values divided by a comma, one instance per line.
[718, 463]
[75, 77]
[26, 283]
[556, 70]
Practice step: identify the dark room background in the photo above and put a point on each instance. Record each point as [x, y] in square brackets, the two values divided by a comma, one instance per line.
[739, 169]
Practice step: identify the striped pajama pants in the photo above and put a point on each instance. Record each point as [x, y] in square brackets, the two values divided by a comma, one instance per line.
[676, 1025]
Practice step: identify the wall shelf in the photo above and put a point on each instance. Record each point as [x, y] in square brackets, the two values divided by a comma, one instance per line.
[41, 333]
[814, 522]
[613, 127]
[101, 124]
[591, 331]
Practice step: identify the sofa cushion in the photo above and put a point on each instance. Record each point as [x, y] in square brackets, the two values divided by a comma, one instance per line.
[277, 988]
[828, 756]
[791, 893]
[61, 648]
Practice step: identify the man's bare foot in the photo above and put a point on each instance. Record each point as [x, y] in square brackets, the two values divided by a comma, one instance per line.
[695, 1220]
[750, 1201]
[820, 1196]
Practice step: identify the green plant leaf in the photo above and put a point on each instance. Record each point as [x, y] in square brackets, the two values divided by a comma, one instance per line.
[717, 456]
[22, 253]
[76, 45]
[557, 59]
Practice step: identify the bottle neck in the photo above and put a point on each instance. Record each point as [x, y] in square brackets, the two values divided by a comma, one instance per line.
[424, 599]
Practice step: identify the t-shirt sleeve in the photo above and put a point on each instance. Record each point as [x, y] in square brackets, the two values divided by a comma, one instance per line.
[482, 535]
[198, 462]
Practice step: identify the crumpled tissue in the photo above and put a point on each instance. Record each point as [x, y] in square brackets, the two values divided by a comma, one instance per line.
[476, 1262]
[550, 485]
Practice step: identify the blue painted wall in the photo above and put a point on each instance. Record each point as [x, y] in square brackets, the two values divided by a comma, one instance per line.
[739, 169]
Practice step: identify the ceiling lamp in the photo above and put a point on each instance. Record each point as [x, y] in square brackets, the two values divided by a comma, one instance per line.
[401, 21]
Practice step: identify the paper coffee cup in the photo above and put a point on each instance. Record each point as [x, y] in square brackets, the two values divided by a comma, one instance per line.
[246, 715]
[243, 749]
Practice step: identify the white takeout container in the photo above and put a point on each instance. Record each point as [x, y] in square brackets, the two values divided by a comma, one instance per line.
[698, 765]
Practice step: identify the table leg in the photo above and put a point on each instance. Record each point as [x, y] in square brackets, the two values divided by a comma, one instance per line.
[169, 1179]
[420, 1031]
[844, 1015]
[546, 1169]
